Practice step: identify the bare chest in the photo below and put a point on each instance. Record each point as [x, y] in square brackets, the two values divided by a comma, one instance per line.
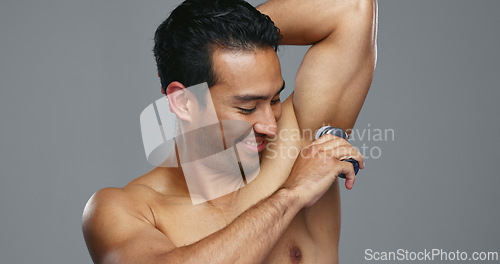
[311, 237]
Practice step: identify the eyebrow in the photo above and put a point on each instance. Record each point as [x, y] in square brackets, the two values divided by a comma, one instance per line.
[252, 97]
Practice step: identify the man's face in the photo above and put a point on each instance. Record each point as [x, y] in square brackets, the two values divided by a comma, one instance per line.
[248, 88]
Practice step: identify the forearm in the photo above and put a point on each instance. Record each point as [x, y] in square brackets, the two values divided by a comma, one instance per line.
[248, 239]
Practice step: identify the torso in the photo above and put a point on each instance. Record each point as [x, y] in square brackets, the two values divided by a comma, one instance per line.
[312, 236]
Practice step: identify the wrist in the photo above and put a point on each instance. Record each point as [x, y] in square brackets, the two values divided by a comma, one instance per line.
[289, 198]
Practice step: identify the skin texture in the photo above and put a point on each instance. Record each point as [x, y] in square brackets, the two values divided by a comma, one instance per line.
[291, 212]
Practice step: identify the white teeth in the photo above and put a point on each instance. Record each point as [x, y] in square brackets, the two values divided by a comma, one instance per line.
[254, 144]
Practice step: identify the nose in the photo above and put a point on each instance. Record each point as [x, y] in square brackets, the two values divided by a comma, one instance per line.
[266, 124]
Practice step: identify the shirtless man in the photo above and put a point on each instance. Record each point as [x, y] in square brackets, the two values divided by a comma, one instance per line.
[290, 213]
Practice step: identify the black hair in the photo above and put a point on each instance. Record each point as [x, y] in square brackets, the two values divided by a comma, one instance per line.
[185, 41]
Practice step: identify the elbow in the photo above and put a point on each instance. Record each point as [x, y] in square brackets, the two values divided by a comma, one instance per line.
[363, 6]
[357, 15]
[361, 10]
[364, 18]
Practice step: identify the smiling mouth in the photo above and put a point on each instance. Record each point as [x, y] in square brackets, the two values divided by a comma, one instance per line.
[255, 145]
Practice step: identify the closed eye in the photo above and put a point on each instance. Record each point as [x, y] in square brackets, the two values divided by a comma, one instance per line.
[246, 111]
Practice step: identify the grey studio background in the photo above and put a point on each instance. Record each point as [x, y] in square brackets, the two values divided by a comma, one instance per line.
[75, 75]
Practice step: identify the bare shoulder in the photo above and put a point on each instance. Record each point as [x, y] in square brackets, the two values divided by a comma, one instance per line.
[119, 221]
[135, 199]
[111, 200]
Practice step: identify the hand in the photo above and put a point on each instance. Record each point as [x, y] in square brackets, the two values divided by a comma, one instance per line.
[319, 164]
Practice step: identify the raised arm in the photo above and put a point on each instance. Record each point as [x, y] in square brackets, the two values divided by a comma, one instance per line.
[336, 72]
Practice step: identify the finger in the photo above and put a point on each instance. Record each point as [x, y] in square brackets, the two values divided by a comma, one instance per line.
[349, 152]
[349, 181]
[355, 155]
[339, 148]
[324, 138]
[329, 142]
[344, 153]
[350, 177]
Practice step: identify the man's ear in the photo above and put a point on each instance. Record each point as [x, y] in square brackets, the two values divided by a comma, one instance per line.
[179, 100]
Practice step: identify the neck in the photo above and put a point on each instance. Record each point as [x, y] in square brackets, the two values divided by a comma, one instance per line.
[213, 177]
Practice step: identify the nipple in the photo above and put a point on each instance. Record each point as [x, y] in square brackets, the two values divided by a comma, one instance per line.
[295, 254]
